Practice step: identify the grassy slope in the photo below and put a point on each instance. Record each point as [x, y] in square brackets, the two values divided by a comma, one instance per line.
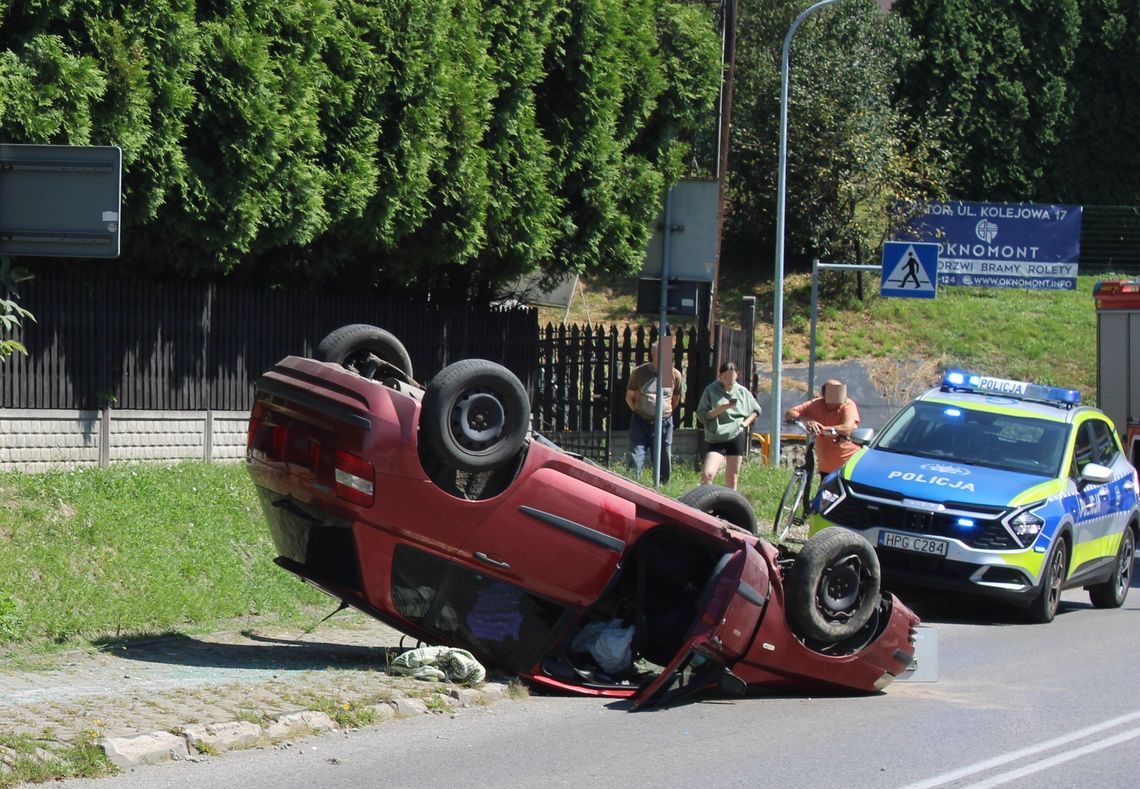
[1046, 336]
[135, 549]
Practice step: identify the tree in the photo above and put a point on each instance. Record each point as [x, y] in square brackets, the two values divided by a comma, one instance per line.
[853, 152]
[439, 146]
[11, 313]
[1000, 70]
[1097, 159]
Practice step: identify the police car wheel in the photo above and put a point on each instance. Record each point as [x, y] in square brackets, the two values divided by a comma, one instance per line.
[1112, 592]
[1048, 600]
[832, 589]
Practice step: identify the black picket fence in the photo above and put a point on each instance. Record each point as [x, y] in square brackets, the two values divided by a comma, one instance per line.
[579, 400]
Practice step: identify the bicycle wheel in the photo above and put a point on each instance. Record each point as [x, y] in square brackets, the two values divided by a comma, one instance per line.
[790, 521]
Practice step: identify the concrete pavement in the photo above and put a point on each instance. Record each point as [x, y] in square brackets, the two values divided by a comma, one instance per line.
[174, 696]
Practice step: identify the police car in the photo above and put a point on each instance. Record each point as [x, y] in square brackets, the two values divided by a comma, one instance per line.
[993, 487]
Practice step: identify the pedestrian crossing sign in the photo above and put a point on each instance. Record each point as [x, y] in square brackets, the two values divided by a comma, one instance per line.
[910, 269]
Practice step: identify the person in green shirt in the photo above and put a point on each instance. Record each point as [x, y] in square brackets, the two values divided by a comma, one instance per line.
[727, 411]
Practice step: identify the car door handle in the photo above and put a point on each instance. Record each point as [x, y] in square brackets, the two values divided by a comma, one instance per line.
[485, 558]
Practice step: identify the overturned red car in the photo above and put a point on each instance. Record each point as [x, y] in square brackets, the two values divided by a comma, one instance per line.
[438, 511]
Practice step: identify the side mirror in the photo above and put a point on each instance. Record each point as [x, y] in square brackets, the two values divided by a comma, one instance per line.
[1096, 474]
[862, 436]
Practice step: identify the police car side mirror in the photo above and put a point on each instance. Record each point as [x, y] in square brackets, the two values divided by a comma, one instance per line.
[1096, 474]
[862, 436]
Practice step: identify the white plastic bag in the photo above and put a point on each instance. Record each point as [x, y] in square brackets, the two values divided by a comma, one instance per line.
[608, 643]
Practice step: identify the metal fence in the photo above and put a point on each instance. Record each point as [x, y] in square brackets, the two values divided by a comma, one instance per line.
[1110, 239]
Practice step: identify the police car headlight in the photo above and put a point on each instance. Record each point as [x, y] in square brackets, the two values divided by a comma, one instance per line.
[830, 494]
[1026, 525]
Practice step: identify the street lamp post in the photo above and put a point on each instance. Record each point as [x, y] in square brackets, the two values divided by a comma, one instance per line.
[778, 306]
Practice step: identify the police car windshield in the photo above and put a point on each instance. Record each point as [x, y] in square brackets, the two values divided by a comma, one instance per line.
[1014, 443]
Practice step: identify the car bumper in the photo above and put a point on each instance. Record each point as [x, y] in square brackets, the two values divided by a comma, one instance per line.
[1010, 576]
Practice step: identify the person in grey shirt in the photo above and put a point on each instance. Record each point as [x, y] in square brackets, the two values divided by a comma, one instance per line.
[641, 397]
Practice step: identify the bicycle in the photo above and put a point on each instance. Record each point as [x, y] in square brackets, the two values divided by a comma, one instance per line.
[795, 505]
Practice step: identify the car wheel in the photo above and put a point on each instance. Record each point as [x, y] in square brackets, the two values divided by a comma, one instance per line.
[1112, 592]
[364, 349]
[1048, 600]
[475, 416]
[832, 589]
[723, 503]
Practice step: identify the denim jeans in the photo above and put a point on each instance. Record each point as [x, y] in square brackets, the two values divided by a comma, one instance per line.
[641, 444]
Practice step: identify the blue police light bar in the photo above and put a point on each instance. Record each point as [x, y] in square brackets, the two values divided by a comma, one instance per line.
[961, 381]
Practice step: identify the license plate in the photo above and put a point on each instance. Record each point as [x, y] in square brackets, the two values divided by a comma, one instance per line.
[913, 543]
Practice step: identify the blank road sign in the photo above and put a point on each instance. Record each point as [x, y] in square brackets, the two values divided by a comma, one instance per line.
[692, 235]
[60, 200]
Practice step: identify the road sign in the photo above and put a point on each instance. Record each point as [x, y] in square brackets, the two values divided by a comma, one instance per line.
[693, 232]
[910, 270]
[60, 200]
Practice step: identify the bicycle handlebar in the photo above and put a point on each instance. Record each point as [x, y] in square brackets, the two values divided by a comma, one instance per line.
[827, 431]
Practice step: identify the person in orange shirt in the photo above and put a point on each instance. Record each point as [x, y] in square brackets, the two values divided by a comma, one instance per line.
[831, 418]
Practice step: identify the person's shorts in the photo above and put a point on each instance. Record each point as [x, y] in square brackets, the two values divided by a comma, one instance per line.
[734, 447]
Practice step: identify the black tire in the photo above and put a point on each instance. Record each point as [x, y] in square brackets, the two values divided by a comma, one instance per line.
[1111, 593]
[358, 347]
[475, 415]
[724, 503]
[789, 519]
[832, 589]
[1048, 600]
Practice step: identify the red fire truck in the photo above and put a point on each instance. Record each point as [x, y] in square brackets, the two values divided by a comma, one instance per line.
[1117, 342]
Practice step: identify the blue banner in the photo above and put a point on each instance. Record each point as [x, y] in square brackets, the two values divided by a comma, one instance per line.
[1002, 245]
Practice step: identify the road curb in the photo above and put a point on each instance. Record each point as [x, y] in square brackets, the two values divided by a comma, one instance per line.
[213, 739]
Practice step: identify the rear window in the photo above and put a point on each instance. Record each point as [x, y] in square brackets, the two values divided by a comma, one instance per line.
[951, 432]
[483, 614]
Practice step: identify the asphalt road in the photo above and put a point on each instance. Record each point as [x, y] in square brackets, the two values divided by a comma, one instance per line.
[1014, 704]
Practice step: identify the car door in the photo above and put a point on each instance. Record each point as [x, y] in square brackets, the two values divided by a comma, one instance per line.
[1094, 518]
[729, 610]
[555, 534]
[1121, 490]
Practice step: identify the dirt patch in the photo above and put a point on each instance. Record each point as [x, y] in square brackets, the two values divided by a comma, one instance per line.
[764, 383]
[900, 381]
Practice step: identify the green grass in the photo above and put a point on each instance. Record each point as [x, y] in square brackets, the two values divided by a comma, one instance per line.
[346, 714]
[136, 549]
[35, 760]
[1044, 336]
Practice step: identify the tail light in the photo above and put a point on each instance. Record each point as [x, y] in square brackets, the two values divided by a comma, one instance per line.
[355, 478]
[254, 425]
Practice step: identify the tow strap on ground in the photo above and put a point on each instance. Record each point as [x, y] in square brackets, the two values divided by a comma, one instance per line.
[439, 664]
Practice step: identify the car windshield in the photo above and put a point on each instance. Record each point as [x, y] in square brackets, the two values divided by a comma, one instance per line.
[1005, 441]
